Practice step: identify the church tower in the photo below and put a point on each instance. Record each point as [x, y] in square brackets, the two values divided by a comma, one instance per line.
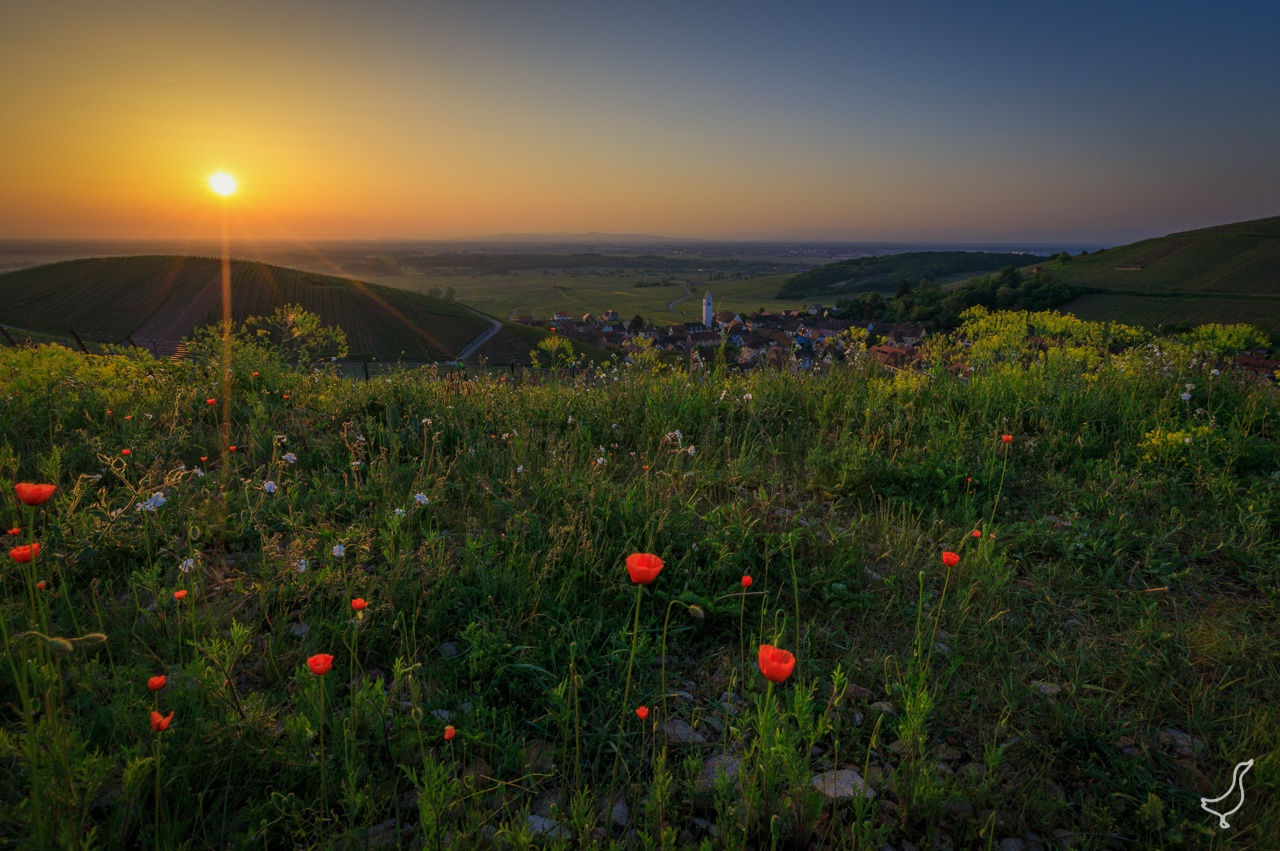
[708, 318]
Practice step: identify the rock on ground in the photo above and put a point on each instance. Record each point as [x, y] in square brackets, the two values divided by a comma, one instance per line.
[841, 785]
[720, 764]
[680, 733]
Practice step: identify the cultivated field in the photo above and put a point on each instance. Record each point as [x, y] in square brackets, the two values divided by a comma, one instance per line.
[1151, 311]
[165, 298]
[539, 295]
[1032, 605]
[1241, 259]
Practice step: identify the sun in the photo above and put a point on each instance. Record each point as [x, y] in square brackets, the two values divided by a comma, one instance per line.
[222, 183]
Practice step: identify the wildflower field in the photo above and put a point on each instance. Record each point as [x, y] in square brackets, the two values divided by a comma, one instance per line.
[1033, 606]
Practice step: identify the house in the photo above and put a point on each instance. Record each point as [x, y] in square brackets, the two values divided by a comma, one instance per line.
[1258, 363]
[896, 357]
[703, 339]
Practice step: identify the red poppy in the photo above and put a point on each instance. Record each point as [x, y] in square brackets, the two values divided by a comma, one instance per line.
[968, 480]
[15, 531]
[449, 733]
[286, 396]
[320, 664]
[746, 581]
[128, 416]
[359, 604]
[950, 559]
[125, 452]
[109, 412]
[42, 585]
[180, 594]
[775, 663]
[643, 567]
[976, 533]
[642, 712]
[1007, 438]
[255, 375]
[33, 494]
[159, 722]
[232, 447]
[157, 683]
[24, 553]
[204, 457]
[211, 401]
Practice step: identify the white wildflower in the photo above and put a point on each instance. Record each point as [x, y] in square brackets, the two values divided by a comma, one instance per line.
[198, 472]
[356, 465]
[421, 498]
[291, 458]
[339, 550]
[399, 512]
[691, 450]
[301, 565]
[1215, 373]
[520, 469]
[747, 397]
[187, 565]
[1186, 397]
[601, 461]
[269, 486]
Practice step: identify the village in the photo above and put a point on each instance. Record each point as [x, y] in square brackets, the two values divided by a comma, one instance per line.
[805, 338]
[815, 335]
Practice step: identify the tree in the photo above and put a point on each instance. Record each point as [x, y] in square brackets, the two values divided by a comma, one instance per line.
[637, 321]
[554, 351]
[449, 293]
[296, 335]
[434, 292]
[291, 337]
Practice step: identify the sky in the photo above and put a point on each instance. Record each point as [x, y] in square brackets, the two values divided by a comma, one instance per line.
[1102, 122]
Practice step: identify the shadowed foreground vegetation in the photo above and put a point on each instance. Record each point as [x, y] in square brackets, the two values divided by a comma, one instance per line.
[1100, 657]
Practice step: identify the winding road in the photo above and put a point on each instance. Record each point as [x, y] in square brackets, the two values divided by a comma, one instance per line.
[482, 339]
[671, 305]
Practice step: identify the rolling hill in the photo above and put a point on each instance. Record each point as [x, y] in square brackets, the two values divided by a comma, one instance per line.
[1226, 273]
[158, 300]
[883, 273]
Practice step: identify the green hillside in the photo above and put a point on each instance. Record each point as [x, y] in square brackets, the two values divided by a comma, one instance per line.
[162, 299]
[1192, 277]
[872, 274]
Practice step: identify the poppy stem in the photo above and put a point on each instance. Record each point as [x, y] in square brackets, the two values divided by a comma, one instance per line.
[626, 694]
[795, 588]
[324, 788]
[999, 490]
[157, 790]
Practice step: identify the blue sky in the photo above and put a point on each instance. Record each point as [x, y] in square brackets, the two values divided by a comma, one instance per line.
[425, 119]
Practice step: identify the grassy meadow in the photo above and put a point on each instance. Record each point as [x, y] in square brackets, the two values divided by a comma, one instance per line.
[508, 295]
[1099, 656]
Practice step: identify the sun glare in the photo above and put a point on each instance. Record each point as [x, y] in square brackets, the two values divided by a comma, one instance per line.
[222, 183]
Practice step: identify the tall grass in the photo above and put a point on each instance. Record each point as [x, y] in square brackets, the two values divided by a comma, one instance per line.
[1125, 585]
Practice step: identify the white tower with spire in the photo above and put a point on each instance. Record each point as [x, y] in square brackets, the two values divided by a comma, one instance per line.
[708, 318]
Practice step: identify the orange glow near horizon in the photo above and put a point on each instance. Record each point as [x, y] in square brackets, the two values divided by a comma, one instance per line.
[438, 121]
